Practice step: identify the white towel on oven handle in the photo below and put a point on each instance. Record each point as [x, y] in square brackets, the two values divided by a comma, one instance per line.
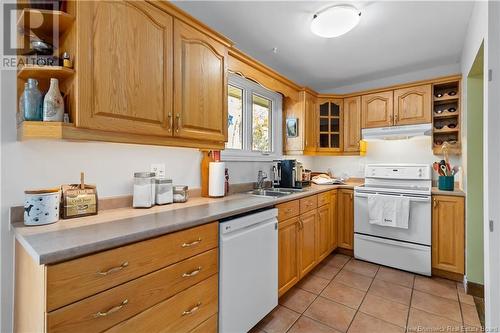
[388, 210]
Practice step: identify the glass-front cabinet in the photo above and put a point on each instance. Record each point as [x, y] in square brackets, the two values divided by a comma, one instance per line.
[330, 125]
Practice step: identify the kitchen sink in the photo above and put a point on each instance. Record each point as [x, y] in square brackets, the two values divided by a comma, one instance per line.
[288, 190]
[270, 193]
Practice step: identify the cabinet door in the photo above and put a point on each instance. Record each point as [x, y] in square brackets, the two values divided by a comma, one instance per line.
[352, 123]
[413, 105]
[333, 220]
[377, 109]
[448, 233]
[307, 242]
[125, 67]
[200, 85]
[311, 122]
[288, 247]
[346, 219]
[329, 122]
[323, 232]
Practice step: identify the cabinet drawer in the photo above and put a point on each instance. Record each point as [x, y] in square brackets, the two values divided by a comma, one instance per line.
[208, 326]
[288, 209]
[179, 314]
[73, 280]
[129, 299]
[308, 204]
[323, 198]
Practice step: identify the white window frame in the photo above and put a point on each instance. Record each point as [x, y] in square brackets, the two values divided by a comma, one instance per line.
[247, 154]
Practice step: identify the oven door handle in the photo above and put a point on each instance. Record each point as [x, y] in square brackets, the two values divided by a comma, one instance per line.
[412, 198]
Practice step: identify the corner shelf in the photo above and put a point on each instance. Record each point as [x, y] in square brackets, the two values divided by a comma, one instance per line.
[44, 20]
[445, 115]
[42, 130]
[45, 72]
[446, 98]
[446, 130]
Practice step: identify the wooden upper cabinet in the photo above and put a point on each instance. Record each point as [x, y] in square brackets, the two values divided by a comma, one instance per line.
[352, 123]
[200, 85]
[377, 109]
[413, 105]
[448, 233]
[125, 67]
[329, 125]
[346, 219]
[311, 120]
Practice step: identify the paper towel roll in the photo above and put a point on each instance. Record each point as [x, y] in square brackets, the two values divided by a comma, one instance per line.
[216, 179]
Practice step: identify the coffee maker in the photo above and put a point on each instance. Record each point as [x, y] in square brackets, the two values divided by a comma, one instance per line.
[289, 173]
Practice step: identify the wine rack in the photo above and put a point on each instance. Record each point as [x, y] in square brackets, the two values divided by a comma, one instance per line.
[446, 109]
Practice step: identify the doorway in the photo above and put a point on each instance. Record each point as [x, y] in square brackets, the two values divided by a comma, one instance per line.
[474, 174]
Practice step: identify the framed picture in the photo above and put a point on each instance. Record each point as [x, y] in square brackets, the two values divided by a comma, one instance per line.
[292, 127]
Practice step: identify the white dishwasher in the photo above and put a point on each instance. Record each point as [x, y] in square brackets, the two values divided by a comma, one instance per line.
[248, 272]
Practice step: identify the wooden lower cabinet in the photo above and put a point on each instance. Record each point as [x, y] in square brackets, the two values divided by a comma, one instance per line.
[448, 234]
[324, 231]
[346, 219]
[334, 220]
[164, 284]
[307, 242]
[288, 252]
[307, 233]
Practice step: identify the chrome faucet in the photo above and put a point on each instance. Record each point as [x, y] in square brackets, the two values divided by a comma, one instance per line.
[261, 176]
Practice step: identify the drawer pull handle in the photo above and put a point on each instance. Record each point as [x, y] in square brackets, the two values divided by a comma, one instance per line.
[192, 243]
[192, 273]
[288, 210]
[114, 269]
[192, 310]
[112, 310]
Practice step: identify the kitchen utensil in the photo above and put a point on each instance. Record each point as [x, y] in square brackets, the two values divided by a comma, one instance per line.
[443, 170]
[436, 167]
[41, 206]
[455, 170]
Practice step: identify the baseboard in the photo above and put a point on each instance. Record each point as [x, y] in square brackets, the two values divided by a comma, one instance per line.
[347, 252]
[474, 289]
[448, 275]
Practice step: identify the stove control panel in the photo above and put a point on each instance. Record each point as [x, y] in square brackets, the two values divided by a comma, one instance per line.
[399, 171]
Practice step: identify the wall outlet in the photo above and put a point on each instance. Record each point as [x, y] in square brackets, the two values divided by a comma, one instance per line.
[158, 169]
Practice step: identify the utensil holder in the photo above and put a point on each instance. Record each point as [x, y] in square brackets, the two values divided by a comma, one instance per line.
[446, 183]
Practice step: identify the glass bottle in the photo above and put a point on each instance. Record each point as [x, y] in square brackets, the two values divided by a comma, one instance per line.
[53, 103]
[31, 101]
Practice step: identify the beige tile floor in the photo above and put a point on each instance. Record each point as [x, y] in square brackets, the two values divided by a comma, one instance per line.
[343, 294]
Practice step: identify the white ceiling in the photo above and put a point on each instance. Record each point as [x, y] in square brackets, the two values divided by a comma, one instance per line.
[392, 38]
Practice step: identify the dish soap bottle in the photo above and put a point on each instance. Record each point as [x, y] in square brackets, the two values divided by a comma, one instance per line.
[31, 102]
[53, 103]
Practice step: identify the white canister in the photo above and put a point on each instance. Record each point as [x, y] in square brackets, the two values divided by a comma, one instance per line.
[41, 206]
[144, 190]
[163, 191]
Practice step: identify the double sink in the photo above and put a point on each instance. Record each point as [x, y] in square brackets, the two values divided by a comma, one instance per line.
[275, 192]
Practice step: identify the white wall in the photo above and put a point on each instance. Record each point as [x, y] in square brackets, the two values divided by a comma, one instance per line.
[423, 74]
[415, 150]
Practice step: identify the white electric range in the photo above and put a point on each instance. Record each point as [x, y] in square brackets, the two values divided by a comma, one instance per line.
[406, 249]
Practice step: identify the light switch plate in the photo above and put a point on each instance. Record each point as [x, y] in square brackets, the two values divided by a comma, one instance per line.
[158, 169]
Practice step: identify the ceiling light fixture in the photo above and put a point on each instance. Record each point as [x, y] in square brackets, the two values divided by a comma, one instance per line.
[335, 21]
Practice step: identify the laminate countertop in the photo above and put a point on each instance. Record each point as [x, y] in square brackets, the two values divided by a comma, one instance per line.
[68, 239]
[454, 193]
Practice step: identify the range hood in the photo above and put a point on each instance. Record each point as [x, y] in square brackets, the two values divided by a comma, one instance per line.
[397, 132]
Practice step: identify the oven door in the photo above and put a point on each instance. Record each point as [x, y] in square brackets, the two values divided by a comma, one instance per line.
[419, 223]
